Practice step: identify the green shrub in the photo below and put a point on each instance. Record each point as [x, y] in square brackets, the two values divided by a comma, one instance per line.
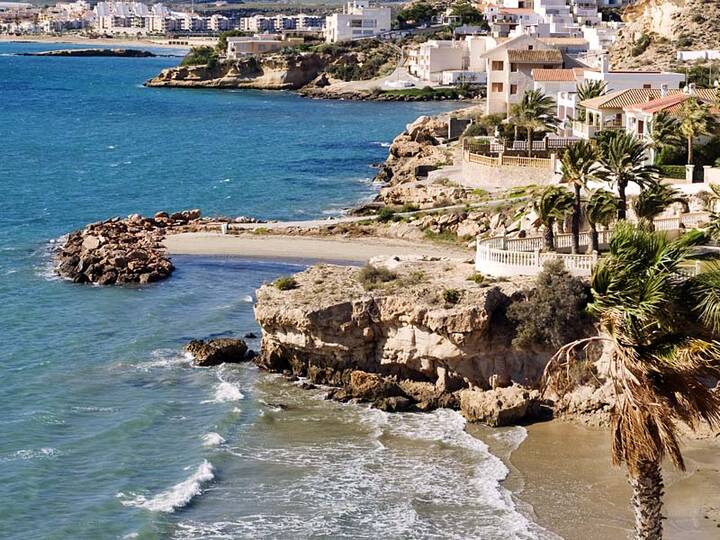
[385, 214]
[285, 283]
[477, 277]
[372, 276]
[451, 296]
[672, 171]
[553, 312]
[200, 56]
[640, 45]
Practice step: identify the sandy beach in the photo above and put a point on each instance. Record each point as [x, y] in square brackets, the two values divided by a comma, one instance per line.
[91, 43]
[301, 248]
[564, 472]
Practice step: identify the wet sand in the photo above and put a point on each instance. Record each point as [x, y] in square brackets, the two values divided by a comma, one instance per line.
[564, 472]
[358, 250]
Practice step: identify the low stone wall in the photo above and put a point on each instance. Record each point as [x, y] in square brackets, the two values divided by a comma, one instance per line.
[506, 177]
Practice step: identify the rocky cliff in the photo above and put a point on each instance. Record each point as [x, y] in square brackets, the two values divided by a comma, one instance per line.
[441, 338]
[269, 72]
[656, 29]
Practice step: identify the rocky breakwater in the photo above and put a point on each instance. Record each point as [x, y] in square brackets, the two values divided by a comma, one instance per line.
[268, 72]
[120, 251]
[410, 334]
[119, 53]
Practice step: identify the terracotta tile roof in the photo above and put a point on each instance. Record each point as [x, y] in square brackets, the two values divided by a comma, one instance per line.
[517, 11]
[621, 98]
[554, 75]
[673, 102]
[535, 56]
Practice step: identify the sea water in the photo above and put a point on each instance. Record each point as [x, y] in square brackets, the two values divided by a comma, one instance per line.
[106, 429]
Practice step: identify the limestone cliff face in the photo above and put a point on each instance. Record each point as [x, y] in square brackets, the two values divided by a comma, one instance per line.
[272, 72]
[330, 325]
[670, 25]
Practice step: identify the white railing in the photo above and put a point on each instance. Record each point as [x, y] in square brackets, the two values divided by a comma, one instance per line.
[502, 256]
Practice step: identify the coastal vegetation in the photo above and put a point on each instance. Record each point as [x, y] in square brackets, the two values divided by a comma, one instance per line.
[534, 112]
[285, 283]
[372, 277]
[657, 324]
[201, 56]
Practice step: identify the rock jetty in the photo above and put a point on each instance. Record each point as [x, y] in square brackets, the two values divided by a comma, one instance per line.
[420, 337]
[122, 251]
[122, 53]
[217, 351]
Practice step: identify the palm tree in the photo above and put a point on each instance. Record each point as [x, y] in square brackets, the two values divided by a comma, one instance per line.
[695, 119]
[534, 112]
[654, 200]
[664, 131]
[601, 209]
[655, 321]
[555, 202]
[587, 90]
[622, 163]
[579, 165]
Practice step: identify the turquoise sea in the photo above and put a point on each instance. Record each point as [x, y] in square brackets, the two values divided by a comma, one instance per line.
[106, 430]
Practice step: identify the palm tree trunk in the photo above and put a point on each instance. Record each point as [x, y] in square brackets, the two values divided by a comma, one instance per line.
[622, 203]
[690, 150]
[594, 240]
[647, 496]
[576, 221]
[549, 235]
[530, 136]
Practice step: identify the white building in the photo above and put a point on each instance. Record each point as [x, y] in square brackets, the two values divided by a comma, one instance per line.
[451, 61]
[237, 47]
[358, 20]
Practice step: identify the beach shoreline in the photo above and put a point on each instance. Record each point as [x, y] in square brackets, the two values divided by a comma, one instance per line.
[91, 42]
[303, 248]
[563, 472]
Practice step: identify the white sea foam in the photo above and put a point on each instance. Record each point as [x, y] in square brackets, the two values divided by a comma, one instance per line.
[247, 299]
[177, 496]
[212, 439]
[30, 454]
[166, 358]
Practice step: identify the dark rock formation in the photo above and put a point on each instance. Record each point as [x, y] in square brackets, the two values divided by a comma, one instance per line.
[217, 351]
[123, 53]
[121, 251]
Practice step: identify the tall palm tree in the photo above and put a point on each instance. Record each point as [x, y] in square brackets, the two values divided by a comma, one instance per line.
[587, 90]
[695, 119]
[653, 201]
[554, 203]
[664, 131]
[534, 112]
[623, 163]
[600, 209]
[655, 321]
[579, 165]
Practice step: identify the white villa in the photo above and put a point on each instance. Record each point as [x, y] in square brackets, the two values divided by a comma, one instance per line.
[358, 20]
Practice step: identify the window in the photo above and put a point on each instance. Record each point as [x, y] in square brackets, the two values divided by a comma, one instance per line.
[513, 88]
[641, 127]
[497, 87]
[498, 65]
[647, 85]
[513, 68]
[530, 47]
[356, 23]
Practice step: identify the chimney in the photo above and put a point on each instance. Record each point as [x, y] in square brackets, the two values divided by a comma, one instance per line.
[663, 90]
[604, 63]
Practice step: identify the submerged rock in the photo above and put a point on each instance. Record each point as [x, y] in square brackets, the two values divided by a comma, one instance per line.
[217, 351]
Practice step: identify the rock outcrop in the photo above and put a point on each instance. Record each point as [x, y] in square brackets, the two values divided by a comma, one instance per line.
[269, 72]
[217, 351]
[656, 29]
[503, 406]
[408, 337]
[121, 251]
[121, 53]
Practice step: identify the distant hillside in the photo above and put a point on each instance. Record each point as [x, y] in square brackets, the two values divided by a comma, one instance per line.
[656, 29]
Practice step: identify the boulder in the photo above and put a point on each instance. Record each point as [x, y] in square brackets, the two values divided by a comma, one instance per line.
[217, 351]
[371, 386]
[502, 406]
[393, 404]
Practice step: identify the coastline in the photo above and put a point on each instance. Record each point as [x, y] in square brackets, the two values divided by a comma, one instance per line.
[563, 472]
[298, 248]
[92, 43]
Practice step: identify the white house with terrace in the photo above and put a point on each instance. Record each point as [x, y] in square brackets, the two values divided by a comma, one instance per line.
[358, 20]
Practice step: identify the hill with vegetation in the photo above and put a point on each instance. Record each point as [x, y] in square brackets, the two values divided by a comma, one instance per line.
[656, 29]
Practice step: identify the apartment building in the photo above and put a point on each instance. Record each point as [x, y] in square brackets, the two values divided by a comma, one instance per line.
[237, 47]
[279, 23]
[358, 20]
[509, 68]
